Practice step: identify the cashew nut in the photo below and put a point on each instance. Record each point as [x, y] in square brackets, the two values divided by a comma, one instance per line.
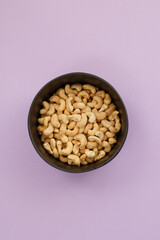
[46, 145]
[94, 139]
[62, 94]
[112, 129]
[46, 107]
[109, 134]
[62, 117]
[66, 112]
[73, 132]
[76, 148]
[88, 127]
[90, 153]
[107, 146]
[101, 93]
[55, 99]
[54, 121]
[83, 121]
[103, 108]
[77, 86]
[69, 106]
[89, 87]
[59, 146]
[99, 101]
[66, 151]
[110, 109]
[79, 105]
[68, 90]
[74, 160]
[103, 129]
[94, 130]
[84, 101]
[76, 111]
[99, 115]
[62, 105]
[112, 140]
[107, 99]
[82, 158]
[51, 109]
[63, 159]
[61, 136]
[52, 143]
[83, 94]
[77, 99]
[49, 130]
[46, 138]
[81, 130]
[100, 155]
[63, 128]
[82, 138]
[100, 134]
[106, 123]
[55, 153]
[92, 117]
[113, 115]
[92, 104]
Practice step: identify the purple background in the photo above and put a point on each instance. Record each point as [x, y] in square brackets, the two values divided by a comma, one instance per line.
[118, 41]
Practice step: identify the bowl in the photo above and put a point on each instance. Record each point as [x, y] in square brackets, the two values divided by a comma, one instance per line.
[47, 90]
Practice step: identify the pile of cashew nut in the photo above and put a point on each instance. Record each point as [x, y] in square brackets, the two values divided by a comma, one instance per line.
[78, 124]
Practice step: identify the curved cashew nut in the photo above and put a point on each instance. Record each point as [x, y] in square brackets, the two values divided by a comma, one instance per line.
[68, 90]
[89, 87]
[92, 145]
[117, 123]
[94, 130]
[46, 138]
[49, 130]
[92, 117]
[83, 121]
[109, 134]
[107, 99]
[86, 109]
[51, 109]
[83, 94]
[81, 130]
[110, 109]
[82, 138]
[62, 94]
[41, 120]
[54, 121]
[77, 86]
[46, 145]
[90, 153]
[41, 128]
[76, 148]
[85, 100]
[92, 104]
[62, 105]
[112, 140]
[112, 129]
[100, 155]
[94, 139]
[66, 112]
[59, 146]
[88, 127]
[103, 108]
[73, 132]
[55, 99]
[46, 107]
[73, 160]
[103, 129]
[100, 134]
[55, 153]
[107, 146]
[77, 99]
[106, 123]
[79, 105]
[46, 121]
[75, 117]
[66, 151]
[52, 143]
[69, 106]
[101, 93]
[62, 117]
[71, 125]
[63, 159]
[83, 159]
[96, 152]
[113, 115]
[63, 127]
[99, 101]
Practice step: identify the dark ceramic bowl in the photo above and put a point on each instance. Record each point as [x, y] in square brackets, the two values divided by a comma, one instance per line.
[44, 94]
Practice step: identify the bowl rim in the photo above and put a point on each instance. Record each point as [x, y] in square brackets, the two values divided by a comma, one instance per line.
[78, 170]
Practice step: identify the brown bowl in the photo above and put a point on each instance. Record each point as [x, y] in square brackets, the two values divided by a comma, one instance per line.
[44, 94]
